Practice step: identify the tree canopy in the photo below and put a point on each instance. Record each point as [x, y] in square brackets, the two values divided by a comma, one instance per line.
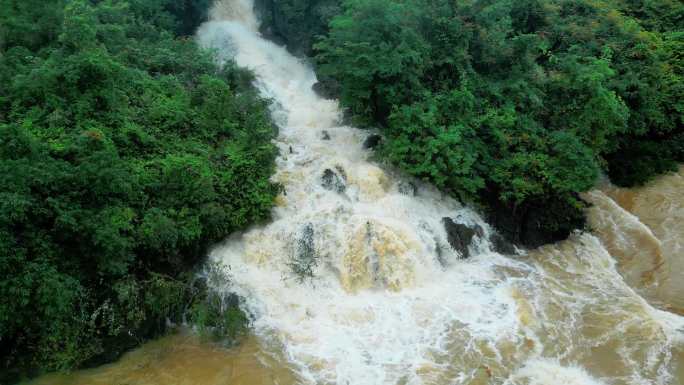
[516, 106]
[124, 154]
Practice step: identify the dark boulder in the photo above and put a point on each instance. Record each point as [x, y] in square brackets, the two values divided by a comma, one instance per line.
[327, 88]
[341, 171]
[440, 255]
[460, 236]
[535, 223]
[325, 135]
[231, 300]
[269, 33]
[408, 188]
[333, 181]
[305, 260]
[347, 118]
[372, 141]
[501, 245]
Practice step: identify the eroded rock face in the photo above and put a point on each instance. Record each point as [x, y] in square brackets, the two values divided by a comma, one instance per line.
[333, 181]
[460, 236]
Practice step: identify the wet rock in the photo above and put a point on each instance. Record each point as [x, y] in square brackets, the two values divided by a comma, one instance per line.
[460, 236]
[332, 181]
[501, 245]
[305, 244]
[327, 89]
[305, 259]
[478, 231]
[231, 300]
[325, 135]
[408, 188]
[347, 118]
[341, 171]
[270, 34]
[440, 254]
[535, 223]
[372, 141]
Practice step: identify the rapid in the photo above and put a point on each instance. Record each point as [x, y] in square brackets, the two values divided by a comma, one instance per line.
[386, 300]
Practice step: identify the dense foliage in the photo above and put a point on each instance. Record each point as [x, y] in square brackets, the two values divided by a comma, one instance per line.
[296, 23]
[124, 153]
[515, 105]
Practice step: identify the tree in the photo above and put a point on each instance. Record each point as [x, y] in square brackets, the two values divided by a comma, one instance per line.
[374, 50]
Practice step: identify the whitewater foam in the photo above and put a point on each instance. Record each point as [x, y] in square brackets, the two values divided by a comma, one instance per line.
[550, 372]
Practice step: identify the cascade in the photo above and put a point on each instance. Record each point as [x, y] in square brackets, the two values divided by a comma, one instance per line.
[355, 281]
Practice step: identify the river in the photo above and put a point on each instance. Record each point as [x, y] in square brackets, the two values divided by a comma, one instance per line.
[388, 301]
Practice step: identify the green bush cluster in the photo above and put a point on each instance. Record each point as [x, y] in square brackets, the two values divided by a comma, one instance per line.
[124, 154]
[515, 105]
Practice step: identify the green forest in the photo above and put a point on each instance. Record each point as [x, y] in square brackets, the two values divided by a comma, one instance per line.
[515, 106]
[126, 152]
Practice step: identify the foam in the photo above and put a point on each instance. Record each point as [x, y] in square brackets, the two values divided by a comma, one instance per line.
[541, 371]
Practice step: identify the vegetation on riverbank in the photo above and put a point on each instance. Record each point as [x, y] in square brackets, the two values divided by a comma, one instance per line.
[516, 106]
[124, 154]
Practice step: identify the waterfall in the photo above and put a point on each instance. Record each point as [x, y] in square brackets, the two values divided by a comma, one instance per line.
[385, 299]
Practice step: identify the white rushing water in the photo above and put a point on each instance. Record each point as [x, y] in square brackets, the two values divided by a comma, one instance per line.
[390, 302]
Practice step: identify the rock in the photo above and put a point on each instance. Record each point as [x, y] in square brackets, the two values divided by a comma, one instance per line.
[269, 33]
[440, 255]
[501, 245]
[534, 232]
[372, 141]
[460, 236]
[333, 181]
[407, 188]
[325, 135]
[305, 259]
[305, 244]
[479, 231]
[231, 300]
[341, 171]
[534, 223]
[347, 118]
[327, 89]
